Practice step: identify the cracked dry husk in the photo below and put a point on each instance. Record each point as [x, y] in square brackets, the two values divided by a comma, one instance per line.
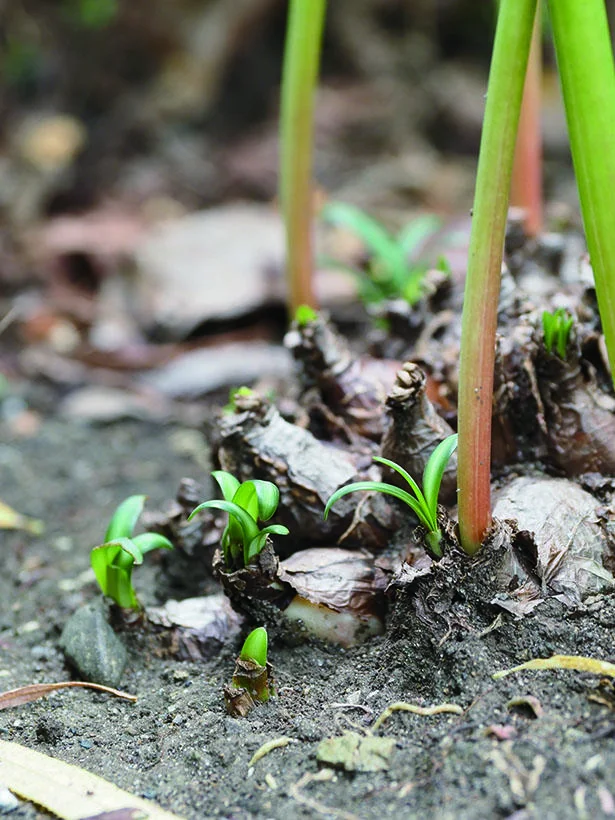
[547, 409]
[352, 389]
[251, 684]
[416, 429]
[256, 442]
[552, 544]
[328, 592]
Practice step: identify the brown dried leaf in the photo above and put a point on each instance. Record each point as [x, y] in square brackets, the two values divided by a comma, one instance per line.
[27, 694]
[340, 579]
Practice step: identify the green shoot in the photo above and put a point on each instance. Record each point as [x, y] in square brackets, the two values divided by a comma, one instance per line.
[114, 560]
[255, 647]
[252, 681]
[585, 63]
[246, 505]
[304, 315]
[299, 75]
[557, 327]
[234, 392]
[477, 355]
[423, 502]
[390, 275]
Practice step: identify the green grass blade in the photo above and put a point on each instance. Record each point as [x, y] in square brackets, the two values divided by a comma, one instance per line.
[226, 481]
[416, 232]
[434, 470]
[124, 519]
[381, 245]
[380, 487]
[404, 474]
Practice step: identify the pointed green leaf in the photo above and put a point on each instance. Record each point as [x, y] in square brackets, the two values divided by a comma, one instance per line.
[255, 647]
[387, 254]
[387, 489]
[434, 470]
[416, 232]
[255, 546]
[100, 558]
[268, 498]
[149, 541]
[247, 498]
[125, 518]
[112, 564]
[248, 525]
[228, 483]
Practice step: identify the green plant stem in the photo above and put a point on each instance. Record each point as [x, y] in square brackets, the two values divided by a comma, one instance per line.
[506, 79]
[526, 187]
[585, 62]
[301, 59]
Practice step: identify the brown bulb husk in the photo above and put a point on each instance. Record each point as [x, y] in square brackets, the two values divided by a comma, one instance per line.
[320, 583]
[579, 416]
[549, 409]
[415, 430]
[251, 684]
[354, 389]
[256, 442]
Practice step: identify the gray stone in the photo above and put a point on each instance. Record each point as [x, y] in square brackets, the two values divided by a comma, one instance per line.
[92, 647]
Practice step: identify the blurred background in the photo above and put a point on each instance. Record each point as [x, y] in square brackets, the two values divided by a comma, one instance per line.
[138, 158]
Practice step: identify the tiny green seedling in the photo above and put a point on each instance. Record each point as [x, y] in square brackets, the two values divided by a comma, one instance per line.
[234, 393]
[557, 327]
[255, 647]
[304, 315]
[114, 560]
[390, 275]
[246, 505]
[252, 681]
[424, 503]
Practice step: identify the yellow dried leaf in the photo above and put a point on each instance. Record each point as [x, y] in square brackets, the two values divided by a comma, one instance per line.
[66, 790]
[10, 519]
[577, 662]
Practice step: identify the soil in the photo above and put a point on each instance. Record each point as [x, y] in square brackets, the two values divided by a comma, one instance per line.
[546, 758]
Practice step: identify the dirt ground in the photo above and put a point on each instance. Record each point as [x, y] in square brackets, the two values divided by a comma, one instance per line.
[546, 758]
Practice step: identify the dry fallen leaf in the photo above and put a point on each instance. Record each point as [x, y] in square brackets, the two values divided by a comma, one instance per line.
[68, 791]
[577, 662]
[10, 519]
[26, 694]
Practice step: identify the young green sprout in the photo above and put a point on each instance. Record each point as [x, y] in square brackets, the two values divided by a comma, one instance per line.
[391, 275]
[423, 502]
[246, 505]
[557, 327]
[114, 560]
[255, 647]
[252, 679]
[304, 315]
[234, 392]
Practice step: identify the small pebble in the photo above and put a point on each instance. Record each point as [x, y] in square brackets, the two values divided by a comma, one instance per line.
[85, 744]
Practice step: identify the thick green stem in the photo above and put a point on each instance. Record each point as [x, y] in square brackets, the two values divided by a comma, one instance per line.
[526, 187]
[506, 79]
[585, 63]
[301, 59]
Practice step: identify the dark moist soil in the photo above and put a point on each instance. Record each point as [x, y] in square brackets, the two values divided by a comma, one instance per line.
[177, 745]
